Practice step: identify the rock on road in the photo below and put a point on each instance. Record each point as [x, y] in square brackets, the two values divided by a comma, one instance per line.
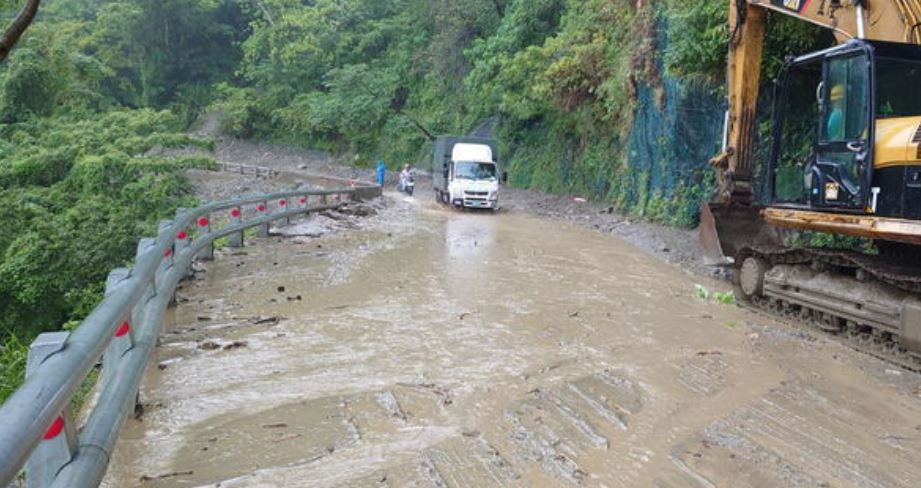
[430, 347]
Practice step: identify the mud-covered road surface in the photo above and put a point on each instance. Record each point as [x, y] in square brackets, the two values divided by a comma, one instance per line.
[430, 347]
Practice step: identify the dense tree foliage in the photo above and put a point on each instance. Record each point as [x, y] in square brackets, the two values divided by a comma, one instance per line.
[75, 196]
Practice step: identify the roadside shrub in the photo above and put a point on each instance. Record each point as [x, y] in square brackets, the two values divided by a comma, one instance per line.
[13, 355]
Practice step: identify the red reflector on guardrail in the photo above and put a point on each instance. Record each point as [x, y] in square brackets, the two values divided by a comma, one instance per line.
[282, 203]
[182, 235]
[302, 200]
[203, 222]
[235, 213]
[55, 430]
[123, 329]
[260, 208]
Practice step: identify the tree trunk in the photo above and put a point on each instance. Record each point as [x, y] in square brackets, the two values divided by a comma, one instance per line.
[422, 128]
[499, 8]
[18, 27]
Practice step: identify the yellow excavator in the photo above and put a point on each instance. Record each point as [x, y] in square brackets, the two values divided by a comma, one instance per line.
[845, 159]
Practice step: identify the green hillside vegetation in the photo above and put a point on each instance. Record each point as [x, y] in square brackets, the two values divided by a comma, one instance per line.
[615, 100]
[559, 82]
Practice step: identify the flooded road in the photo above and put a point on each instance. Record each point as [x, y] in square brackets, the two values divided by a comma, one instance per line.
[446, 349]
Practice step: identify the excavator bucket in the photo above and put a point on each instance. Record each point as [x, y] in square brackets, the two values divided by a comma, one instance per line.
[726, 229]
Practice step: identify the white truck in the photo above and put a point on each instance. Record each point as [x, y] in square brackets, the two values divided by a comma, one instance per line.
[466, 173]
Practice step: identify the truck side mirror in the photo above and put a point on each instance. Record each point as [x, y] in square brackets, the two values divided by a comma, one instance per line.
[505, 177]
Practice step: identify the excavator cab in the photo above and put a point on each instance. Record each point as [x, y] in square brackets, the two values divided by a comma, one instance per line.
[847, 129]
[823, 131]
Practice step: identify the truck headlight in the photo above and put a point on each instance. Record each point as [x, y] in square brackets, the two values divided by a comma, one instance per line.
[493, 195]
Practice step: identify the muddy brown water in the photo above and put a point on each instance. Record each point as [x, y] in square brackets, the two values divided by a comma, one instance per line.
[438, 348]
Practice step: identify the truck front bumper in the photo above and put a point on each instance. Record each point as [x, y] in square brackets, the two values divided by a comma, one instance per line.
[475, 203]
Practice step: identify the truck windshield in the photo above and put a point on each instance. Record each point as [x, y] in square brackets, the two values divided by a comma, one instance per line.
[897, 82]
[475, 171]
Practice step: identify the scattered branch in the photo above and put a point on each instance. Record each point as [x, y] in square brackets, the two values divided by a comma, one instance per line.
[265, 11]
[499, 8]
[418, 125]
[18, 27]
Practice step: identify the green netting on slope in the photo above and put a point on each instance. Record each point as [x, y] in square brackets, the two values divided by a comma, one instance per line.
[666, 174]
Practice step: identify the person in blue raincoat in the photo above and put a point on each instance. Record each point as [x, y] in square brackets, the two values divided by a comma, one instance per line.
[835, 124]
[381, 171]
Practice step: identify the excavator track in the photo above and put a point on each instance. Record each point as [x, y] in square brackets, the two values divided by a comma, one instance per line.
[867, 302]
[863, 342]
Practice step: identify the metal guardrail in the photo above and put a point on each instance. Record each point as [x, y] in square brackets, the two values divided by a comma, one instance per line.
[123, 329]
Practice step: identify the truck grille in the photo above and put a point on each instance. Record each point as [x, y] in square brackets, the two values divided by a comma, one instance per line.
[476, 193]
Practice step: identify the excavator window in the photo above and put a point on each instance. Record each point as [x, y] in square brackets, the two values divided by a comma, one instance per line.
[846, 99]
[897, 84]
[798, 112]
[842, 152]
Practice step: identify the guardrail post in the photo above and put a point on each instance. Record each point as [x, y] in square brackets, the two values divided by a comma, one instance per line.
[144, 246]
[263, 230]
[283, 207]
[168, 255]
[207, 252]
[323, 200]
[59, 444]
[236, 218]
[123, 339]
[167, 261]
[183, 240]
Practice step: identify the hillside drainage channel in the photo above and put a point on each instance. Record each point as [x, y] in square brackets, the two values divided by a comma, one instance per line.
[428, 347]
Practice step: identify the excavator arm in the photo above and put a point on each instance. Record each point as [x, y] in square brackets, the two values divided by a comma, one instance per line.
[731, 216]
